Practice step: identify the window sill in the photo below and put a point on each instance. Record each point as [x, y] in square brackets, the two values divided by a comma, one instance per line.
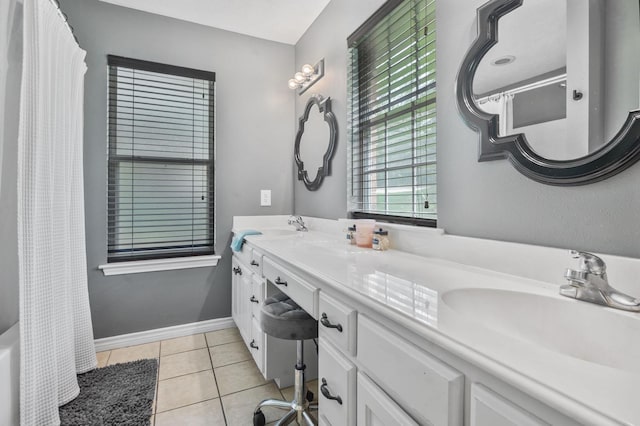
[170, 264]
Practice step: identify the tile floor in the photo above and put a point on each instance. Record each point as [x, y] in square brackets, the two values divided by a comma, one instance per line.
[205, 379]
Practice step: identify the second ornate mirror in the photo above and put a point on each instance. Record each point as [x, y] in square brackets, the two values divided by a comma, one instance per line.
[554, 86]
[315, 142]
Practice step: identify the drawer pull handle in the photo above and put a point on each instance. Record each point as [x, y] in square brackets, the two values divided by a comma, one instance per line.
[254, 300]
[325, 321]
[237, 271]
[254, 263]
[280, 282]
[327, 394]
[253, 344]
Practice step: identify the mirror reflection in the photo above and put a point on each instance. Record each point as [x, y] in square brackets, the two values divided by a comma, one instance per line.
[565, 73]
[314, 142]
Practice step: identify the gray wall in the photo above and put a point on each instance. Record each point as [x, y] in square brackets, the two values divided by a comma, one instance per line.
[10, 74]
[327, 38]
[254, 117]
[492, 200]
[488, 200]
[622, 82]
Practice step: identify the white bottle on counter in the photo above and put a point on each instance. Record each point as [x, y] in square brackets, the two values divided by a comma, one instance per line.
[351, 235]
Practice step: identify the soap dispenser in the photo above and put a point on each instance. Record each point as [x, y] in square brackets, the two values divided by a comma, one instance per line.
[351, 235]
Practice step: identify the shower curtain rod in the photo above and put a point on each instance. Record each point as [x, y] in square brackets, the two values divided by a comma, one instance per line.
[515, 90]
[65, 19]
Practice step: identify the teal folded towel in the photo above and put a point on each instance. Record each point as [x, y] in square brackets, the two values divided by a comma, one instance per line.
[238, 239]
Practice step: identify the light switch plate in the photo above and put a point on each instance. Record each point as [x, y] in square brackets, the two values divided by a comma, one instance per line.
[265, 197]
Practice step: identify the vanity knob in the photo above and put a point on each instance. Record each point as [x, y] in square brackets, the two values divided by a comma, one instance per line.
[237, 271]
[254, 300]
[325, 321]
[254, 263]
[278, 281]
[253, 344]
[327, 393]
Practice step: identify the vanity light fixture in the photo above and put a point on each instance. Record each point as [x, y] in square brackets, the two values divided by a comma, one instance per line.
[306, 78]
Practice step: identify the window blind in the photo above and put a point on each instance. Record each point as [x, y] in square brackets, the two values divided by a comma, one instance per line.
[160, 161]
[392, 114]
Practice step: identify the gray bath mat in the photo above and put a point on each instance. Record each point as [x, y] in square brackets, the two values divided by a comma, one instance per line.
[120, 394]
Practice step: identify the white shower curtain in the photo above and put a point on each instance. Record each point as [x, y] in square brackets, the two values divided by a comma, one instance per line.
[55, 322]
[501, 105]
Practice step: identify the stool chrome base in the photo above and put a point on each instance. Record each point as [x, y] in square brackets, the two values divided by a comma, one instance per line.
[298, 408]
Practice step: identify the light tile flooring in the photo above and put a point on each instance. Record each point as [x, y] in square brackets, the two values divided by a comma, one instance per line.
[205, 379]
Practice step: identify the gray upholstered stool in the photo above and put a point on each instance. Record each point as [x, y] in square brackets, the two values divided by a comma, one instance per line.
[281, 317]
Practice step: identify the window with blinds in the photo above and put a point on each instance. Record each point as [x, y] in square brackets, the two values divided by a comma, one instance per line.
[392, 114]
[160, 161]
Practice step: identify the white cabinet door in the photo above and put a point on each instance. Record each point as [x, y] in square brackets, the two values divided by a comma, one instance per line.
[256, 298]
[322, 421]
[242, 283]
[427, 388]
[375, 408]
[236, 287]
[245, 305]
[490, 409]
[337, 386]
[256, 345]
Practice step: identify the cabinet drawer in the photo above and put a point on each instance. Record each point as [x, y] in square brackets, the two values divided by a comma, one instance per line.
[427, 388]
[256, 298]
[255, 261]
[336, 379]
[376, 408]
[305, 295]
[337, 323]
[490, 409]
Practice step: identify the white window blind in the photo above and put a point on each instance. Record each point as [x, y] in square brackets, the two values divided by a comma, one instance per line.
[160, 162]
[392, 114]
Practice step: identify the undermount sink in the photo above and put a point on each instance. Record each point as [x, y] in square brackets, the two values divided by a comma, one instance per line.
[308, 236]
[578, 329]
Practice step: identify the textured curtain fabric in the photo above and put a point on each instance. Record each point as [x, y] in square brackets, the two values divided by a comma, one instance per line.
[55, 323]
[501, 105]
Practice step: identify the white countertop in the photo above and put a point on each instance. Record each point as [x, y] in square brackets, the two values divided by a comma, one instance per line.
[408, 289]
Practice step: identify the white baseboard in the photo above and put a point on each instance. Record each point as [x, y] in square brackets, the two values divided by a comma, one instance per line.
[148, 336]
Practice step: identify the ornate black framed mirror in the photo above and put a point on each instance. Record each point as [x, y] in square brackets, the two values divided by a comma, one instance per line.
[315, 141]
[581, 53]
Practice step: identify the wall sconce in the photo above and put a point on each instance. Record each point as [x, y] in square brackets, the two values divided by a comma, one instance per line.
[307, 77]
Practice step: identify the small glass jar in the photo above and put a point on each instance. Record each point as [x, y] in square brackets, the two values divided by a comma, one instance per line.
[351, 235]
[380, 240]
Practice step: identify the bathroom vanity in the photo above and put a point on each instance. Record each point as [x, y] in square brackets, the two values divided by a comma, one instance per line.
[447, 331]
[274, 357]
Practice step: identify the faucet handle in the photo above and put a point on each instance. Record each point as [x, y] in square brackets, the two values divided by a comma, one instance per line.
[298, 222]
[589, 262]
[294, 219]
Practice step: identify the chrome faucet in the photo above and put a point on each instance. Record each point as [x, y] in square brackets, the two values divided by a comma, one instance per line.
[589, 283]
[298, 223]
